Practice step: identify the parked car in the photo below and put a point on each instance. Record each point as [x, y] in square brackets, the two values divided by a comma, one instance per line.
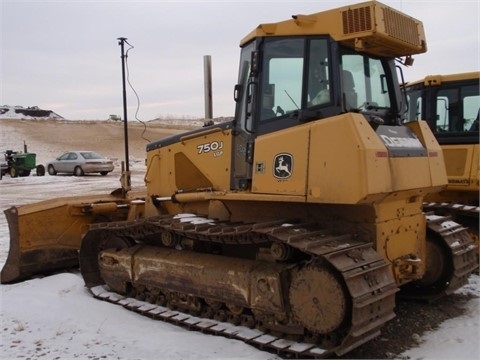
[79, 163]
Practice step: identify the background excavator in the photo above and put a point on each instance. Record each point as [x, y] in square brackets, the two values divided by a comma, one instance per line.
[291, 227]
[451, 106]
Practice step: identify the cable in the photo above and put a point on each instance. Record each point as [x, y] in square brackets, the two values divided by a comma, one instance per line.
[133, 89]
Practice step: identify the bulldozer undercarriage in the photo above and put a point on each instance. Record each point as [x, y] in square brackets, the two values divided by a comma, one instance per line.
[453, 256]
[308, 292]
[467, 215]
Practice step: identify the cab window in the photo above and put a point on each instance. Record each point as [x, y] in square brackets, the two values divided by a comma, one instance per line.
[290, 79]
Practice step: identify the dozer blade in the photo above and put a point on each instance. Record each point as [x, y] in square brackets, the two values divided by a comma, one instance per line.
[46, 236]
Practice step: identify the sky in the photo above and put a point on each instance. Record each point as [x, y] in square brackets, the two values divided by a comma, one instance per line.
[64, 56]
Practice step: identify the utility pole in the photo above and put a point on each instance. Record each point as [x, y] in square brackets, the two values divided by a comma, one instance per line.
[125, 178]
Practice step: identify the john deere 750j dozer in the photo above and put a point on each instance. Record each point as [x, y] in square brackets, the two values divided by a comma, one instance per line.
[300, 219]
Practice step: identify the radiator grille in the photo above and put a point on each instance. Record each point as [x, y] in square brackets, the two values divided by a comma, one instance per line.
[396, 24]
[401, 27]
[357, 20]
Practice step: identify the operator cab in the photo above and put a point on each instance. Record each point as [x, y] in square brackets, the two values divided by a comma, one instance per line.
[319, 66]
[449, 103]
[285, 81]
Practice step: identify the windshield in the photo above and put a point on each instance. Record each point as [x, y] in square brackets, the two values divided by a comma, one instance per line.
[364, 83]
[297, 74]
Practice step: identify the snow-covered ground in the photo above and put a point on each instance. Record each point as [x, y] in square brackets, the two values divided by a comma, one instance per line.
[55, 317]
[30, 112]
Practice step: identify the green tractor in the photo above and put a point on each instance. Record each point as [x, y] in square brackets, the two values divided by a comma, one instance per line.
[20, 164]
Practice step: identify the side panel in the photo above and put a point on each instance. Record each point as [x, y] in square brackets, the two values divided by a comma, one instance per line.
[196, 162]
[349, 162]
[461, 162]
[436, 162]
[342, 160]
[281, 161]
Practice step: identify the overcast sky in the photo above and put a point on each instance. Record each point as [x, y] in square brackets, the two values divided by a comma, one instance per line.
[64, 55]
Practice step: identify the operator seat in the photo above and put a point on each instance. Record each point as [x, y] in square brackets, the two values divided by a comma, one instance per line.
[267, 104]
[349, 93]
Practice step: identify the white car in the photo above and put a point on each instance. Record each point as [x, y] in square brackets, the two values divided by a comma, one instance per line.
[79, 163]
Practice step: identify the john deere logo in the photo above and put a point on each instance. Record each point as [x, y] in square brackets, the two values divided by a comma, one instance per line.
[283, 166]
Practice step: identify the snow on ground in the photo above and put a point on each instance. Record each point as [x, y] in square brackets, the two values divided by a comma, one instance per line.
[31, 112]
[55, 317]
[456, 338]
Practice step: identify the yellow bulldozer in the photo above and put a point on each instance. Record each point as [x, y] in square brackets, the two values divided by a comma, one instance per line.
[451, 106]
[292, 227]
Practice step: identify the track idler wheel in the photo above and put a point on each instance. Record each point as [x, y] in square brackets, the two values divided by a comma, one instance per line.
[318, 299]
[436, 264]
[438, 272]
[93, 243]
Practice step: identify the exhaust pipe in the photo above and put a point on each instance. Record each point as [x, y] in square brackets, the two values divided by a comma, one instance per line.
[207, 74]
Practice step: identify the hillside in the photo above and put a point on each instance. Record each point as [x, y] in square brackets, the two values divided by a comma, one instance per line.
[51, 137]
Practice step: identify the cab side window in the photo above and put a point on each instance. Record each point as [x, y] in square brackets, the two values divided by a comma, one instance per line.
[291, 79]
[457, 109]
[318, 79]
[281, 83]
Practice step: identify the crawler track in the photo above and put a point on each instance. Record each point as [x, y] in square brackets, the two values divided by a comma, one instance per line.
[309, 254]
[466, 215]
[254, 337]
[454, 210]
